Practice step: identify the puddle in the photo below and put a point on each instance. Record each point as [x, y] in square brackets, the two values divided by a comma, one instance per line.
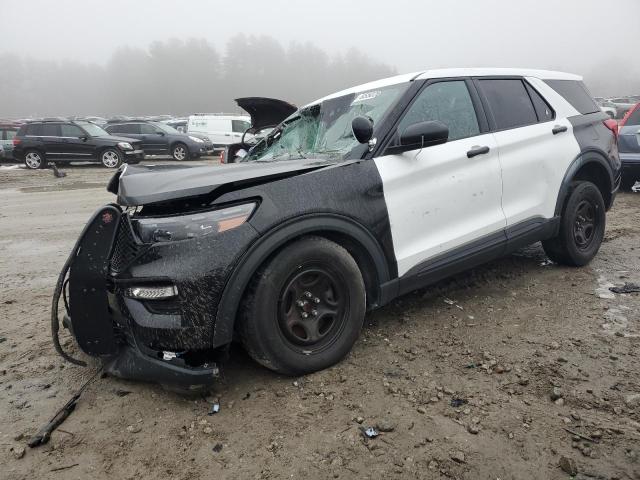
[63, 187]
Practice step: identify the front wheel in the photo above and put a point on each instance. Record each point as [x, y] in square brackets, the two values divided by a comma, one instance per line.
[304, 309]
[180, 152]
[111, 158]
[581, 227]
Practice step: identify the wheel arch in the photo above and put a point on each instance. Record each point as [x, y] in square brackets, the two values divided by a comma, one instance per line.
[591, 166]
[349, 234]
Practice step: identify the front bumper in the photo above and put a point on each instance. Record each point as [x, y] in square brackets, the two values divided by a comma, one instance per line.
[167, 341]
[134, 154]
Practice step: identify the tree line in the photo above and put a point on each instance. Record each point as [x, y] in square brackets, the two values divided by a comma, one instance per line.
[179, 77]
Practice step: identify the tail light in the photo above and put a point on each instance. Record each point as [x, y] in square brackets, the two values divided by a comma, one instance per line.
[628, 114]
[16, 142]
[612, 125]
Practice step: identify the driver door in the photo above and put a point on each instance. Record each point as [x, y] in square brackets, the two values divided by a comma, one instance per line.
[443, 197]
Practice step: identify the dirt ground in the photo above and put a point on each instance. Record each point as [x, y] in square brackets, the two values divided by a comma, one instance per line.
[459, 378]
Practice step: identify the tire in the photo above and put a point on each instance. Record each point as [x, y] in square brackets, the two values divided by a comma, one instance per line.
[581, 227]
[34, 160]
[286, 324]
[180, 152]
[111, 158]
[627, 183]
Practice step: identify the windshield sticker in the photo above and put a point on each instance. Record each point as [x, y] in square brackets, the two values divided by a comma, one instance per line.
[361, 97]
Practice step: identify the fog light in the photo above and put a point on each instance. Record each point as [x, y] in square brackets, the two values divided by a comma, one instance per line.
[151, 293]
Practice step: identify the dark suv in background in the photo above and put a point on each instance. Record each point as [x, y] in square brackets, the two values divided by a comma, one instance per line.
[161, 139]
[41, 142]
[629, 146]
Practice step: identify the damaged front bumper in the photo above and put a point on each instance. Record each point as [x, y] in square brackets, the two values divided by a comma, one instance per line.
[166, 340]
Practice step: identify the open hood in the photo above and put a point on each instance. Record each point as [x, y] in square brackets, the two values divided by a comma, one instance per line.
[143, 185]
[265, 112]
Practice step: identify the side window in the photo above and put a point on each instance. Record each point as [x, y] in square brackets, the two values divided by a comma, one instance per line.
[509, 102]
[448, 102]
[68, 130]
[50, 130]
[32, 129]
[240, 126]
[9, 134]
[146, 129]
[543, 110]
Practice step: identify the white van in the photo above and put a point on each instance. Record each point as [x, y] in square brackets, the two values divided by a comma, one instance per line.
[222, 128]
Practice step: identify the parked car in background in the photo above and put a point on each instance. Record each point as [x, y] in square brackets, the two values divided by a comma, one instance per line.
[353, 200]
[611, 111]
[7, 133]
[223, 129]
[161, 139]
[621, 104]
[629, 147]
[38, 143]
[180, 124]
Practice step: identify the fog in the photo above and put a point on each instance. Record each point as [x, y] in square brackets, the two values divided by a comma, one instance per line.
[141, 57]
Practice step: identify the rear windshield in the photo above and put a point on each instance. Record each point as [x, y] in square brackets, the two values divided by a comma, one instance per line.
[634, 118]
[576, 94]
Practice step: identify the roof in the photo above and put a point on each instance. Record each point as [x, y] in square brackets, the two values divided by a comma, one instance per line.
[453, 72]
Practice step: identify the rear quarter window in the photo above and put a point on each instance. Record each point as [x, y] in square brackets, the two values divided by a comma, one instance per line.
[576, 93]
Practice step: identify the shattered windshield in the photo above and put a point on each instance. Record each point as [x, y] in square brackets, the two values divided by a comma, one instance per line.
[324, 129]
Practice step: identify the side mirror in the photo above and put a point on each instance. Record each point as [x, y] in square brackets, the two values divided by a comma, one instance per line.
[362, 129]
[421, 135]
[84, 138]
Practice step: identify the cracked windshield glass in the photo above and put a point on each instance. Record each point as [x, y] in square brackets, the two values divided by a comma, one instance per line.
[324, 129]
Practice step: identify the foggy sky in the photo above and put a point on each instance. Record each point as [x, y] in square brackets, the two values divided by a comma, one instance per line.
[595, 38]
[407, 34]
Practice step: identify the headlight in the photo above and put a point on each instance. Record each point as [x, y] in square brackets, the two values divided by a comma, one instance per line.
[196, 225]
[125, 146]
[196, 139]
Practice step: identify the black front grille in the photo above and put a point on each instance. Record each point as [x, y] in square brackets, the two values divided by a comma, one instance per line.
[126, 248]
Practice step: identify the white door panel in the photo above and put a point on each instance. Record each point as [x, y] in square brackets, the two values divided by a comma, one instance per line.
[534, 162]
[439, 199]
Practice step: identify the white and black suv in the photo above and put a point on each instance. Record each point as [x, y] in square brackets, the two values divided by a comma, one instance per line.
[351, 201]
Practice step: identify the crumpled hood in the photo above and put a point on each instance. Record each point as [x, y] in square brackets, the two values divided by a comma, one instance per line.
[143, 185]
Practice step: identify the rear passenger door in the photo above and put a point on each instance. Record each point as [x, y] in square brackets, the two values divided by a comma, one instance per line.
[49, 135]
[445, 196]
[535, 148]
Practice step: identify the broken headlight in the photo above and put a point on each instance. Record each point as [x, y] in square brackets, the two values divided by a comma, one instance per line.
[194, 225]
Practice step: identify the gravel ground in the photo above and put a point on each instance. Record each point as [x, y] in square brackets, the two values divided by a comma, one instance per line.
[520, 369]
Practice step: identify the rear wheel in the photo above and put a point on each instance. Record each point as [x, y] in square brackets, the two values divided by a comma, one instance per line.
[34, 160]
[111, 158]
[180, 152]
[581, 227]
[304, 309]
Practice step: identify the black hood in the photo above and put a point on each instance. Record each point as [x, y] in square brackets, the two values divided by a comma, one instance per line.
[143, 185]
[265, 112]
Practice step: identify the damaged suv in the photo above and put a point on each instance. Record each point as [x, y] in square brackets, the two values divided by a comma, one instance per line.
[348, 203]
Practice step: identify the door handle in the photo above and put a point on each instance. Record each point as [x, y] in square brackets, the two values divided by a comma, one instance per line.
[227, 134]
[476, 150]
[559, 129]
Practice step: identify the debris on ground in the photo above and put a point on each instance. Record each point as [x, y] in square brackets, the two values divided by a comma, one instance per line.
[628, 287]
[458, 457]
[122, 393]
[217, 447]
[458, 402]
[568, 466]
[18, 451]
[386, 425]
[135, 428]
[215, 408]
[369, 432]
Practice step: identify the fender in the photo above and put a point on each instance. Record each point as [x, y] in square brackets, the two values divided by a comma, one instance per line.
[273, 240]
[586, 157]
